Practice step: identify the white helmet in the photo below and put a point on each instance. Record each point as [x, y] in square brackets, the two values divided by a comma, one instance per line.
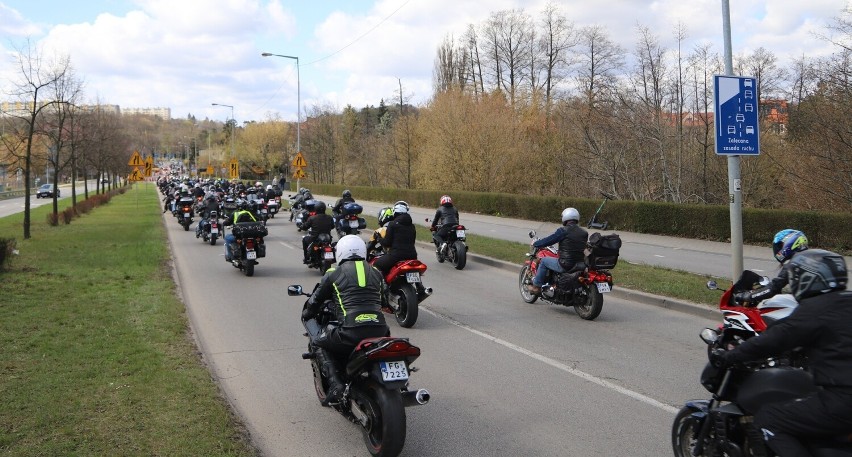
[570, 214]
[269, 187]
[258, 184]
[400, 207]
[350, 246]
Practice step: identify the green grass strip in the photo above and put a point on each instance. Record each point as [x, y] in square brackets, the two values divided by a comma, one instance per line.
[97, 358]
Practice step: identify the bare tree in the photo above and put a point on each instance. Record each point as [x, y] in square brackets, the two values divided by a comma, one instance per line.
[555, 41]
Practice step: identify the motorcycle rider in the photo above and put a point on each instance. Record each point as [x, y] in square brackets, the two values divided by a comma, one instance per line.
[270, 194]
[209, 204]
[820, 325]
[346, 197]
[357, 290]
[242, 214]
[572, 241]
[398, 239]
[446, 218]
[316, 225]
[785, 245]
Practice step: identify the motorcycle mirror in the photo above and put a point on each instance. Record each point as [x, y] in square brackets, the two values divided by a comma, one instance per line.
[764, 280]
[712, 285]
[294, 290]
[532, 233]
[709, 336]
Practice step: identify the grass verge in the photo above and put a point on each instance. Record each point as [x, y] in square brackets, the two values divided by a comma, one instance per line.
[655, 280]
[97, 357]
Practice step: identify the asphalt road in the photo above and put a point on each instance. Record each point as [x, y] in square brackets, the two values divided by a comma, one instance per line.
[507, 378]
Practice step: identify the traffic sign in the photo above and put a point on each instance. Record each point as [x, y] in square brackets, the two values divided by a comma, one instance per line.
[149, 166]
[299, 161]
[136, 160]
[234, 169]
[209, 169]
[299, 173]
[136, 175]
[736, 105]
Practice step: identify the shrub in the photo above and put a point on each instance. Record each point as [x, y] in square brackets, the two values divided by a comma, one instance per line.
[7, 249]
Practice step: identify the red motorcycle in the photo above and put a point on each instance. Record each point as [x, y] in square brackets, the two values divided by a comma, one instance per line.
[583, 286]
[753, 318]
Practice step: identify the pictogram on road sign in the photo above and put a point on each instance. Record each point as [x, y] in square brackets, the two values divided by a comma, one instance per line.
[234, 169]
[299, 173]
[149, 166]
[136, 160]
[299, 161]
[136, 175]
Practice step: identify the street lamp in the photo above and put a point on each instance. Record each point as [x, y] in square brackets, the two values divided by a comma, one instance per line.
[233, 127]
[298, 102]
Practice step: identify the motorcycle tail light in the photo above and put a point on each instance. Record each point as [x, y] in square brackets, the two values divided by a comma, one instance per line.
[397, 348]
[249, 243]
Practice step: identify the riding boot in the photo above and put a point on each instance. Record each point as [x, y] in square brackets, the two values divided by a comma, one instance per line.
[334, 393]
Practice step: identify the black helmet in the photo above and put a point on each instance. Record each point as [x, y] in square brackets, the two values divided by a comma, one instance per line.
[815, 272]
[347, 194]
[320, 207]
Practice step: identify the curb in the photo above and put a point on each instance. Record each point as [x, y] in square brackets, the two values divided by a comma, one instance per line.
[620, 292]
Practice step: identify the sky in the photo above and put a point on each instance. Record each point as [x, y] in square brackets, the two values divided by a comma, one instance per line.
[188, 54]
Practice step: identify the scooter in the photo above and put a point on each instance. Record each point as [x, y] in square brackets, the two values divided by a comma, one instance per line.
[594, 223]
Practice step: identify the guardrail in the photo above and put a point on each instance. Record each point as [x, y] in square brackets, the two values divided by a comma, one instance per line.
[16, 193]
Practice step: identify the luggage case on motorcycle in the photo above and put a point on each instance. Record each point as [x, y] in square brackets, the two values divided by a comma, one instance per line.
[249, 230]
[604, 250]
[351, 208]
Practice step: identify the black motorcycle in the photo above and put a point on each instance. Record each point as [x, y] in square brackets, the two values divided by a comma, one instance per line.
[184, 209]
[722, 426]
[348, 222]
[321, 253]
[376, 378]
[248, 246]
[210, 228]
[454, 248]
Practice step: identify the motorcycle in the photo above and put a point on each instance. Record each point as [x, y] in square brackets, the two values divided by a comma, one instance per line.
[584, 285]
[723, 425]
[405, 288]
[454, 249]
[273, 205]
[184, 212]
[754, 318]
[248, 245]
[348, 222]
[210, 228]
[321, 253]
[376, 379]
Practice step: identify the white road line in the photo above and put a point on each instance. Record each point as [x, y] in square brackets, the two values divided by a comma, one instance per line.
[286, 245]
[558, 365]
[660, 256]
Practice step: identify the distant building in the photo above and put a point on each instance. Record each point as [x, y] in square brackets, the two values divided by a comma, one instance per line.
[774, 114]
[164, 113]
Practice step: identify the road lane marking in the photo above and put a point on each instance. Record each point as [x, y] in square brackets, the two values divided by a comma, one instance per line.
[287, 245]
[557, 364]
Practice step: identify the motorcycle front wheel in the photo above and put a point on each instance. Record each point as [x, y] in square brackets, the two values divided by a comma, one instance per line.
[459, 254]
[589, 306]
[406, 310]
[684, 431]
[384, 432]
[525, 279]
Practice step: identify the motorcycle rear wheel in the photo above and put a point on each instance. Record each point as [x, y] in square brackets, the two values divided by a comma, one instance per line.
[406, 310]
[592, 304]
[384, 434]
[524, 280]
[212, 240]
[459, 254]
[248, 268]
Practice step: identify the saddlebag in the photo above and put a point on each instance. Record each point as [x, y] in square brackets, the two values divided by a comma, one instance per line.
[249, 230]
[351, 208]
[604, 251]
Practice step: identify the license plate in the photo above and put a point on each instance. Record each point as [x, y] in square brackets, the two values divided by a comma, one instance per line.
[185, 214]
[251, 255]
[353, 224]
[459, 233]
[263, 211]
[412, 277]
[603, 287]
[328, 255]
[214, 230]
[394, 371]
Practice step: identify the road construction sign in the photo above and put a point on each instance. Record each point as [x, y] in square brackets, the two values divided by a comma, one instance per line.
[234, 169]
[136, 175]
[299, 161]
[136, 160]
[299, 173]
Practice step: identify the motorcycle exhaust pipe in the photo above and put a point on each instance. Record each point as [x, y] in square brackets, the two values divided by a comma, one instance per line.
[420, 397]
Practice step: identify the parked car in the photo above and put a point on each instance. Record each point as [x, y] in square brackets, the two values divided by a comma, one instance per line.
[46, 191]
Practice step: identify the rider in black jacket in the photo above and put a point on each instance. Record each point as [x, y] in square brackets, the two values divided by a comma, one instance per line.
[357, 290]
[315, 225]
[821, 325]
[345, 198]
[572, 241]
[398, 240]
[786, 243]
[446, 218]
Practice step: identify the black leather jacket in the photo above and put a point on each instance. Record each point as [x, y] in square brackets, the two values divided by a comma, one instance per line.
[357, 290]
[445, 215]
[572, 241]
[339, 205]
[318, 223]
[400, 237]
[819, 324]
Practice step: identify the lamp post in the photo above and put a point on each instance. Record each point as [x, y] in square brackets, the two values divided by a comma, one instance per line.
[298, 102]
[233, 127]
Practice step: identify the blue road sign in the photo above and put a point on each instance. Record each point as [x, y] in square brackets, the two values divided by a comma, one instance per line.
[736, 107]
